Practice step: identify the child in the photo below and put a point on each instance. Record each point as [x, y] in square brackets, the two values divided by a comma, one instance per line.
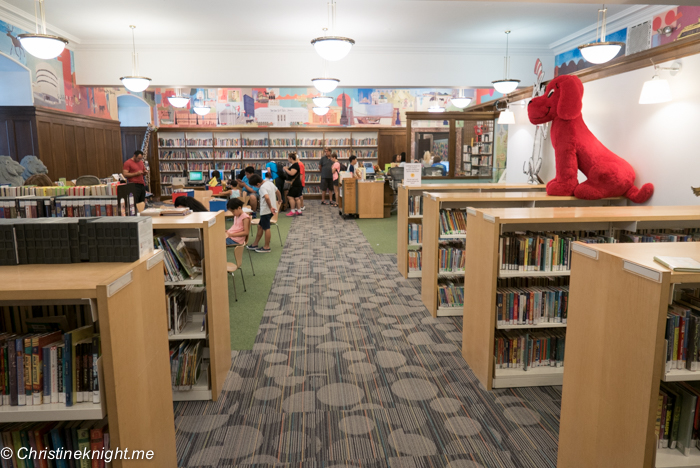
[252, 190]
[353, 167]
[191, 203]
[268, 207]
[241, 223]
[336, 178]
[215, 179]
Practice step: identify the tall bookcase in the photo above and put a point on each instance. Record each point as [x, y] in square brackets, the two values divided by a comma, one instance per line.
[209, 228]
[615, 355]
[127, 300]
[406, 217]
[225, 149]
[483, 258]
[433, 203]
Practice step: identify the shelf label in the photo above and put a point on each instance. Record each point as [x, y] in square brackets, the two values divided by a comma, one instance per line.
[642, 271]
[212, 222]
[583, 250]
[119, 284]
[489, 218]
[155, 259]
[471, 211]
[412, 173]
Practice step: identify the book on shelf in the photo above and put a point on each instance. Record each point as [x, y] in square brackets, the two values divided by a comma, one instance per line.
[185, 363]
[180, 303]
[415, 205]
[226, 142]
[200, 141]
[518, 349]
[255, 142]
[172, 155]
[451, 259]
[165, 142]
[415, 260]
[532, 306]
[364, 142]
[415, 234]
[78, 191]
[182, 258]
[676, 425]
[453, 222]
[450, 293]
[684, 264]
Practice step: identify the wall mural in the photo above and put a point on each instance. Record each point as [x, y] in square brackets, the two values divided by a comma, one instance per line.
[683, 21]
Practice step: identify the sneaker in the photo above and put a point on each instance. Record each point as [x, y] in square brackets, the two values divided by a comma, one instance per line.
[299, 213]
[303, 208]
[263, 250]
[291, 213]
[252, 247]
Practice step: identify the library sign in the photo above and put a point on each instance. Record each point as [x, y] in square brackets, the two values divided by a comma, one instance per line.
[412, 174]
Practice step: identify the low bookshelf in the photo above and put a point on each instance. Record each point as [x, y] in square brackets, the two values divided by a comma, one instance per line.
[410, 211]
[205, 233]
[444, 236]
[616, 356]
[121, 305]
[180, 150]
[496, 271]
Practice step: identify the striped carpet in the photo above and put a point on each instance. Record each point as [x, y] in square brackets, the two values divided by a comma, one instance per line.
[349, 370]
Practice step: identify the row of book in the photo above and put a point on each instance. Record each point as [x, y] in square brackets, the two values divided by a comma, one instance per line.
[186, 358]
[451, 260]
[450, 294]
[199, 141]
[531, 306]
[60, 191]
[201, 166]
[678, 406]
[643, 236]
[169, 155]
[311, 166]
[200, 154]
[309, 154]
[338, 142]
[482, 161]
[74, 240]
[313, 178]
[228, 142]
[182, 258]
[166, 191]
[58, 207]
[415, 205]
[284, 142]
[227, 155]
[485, 148]
[310, 142]
[255, 154]
[415, 260]
[453, 222]
[182, 301]
[23, 319]
[172, 167]
[50, 368]
[312, 189]
[364, 142]
[683, 331]
[365, 154]
[280, 154]
[255, 142]
[65, 438]
[173, 142]
[515, 349]
[415, 234]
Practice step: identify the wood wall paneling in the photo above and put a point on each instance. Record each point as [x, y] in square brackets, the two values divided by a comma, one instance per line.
[81, 150]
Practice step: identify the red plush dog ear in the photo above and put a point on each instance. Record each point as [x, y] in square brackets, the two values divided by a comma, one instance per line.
[570, 97]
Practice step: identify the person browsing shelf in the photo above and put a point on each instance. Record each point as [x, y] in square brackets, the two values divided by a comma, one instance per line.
[252, 190]
[134, 170]
[295, 190]
[240, 229]
[302, 171]
[268, 207]
[326, 168]
[336, 177]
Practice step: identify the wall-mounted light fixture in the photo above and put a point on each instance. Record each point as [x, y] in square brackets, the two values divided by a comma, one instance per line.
[657, 90]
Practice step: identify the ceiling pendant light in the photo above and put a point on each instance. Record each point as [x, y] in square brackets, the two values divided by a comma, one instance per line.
[321, 110]
[201, 109]
[600, 51]
[506, 85]
[332, 47]
[40, 44]
[436, 107]
[322, 101]
[178, 100]
[461, 102]
[325, 85]
[135, 83]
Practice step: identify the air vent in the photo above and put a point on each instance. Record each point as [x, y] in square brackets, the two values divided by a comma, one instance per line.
[638, 38]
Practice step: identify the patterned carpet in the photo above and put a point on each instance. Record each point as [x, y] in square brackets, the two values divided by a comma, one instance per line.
[350, 370]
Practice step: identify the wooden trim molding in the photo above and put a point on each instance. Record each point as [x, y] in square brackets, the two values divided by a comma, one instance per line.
[665, 53]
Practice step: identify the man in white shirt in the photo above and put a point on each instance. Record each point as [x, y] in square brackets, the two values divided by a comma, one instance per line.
[268, 207]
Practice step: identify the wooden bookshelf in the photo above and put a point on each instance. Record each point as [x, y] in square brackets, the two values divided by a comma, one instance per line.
[130, 309]
[484, 228]
[404, 219]
[243, 143]
[210, 227]
[434, 202]
[615, 355]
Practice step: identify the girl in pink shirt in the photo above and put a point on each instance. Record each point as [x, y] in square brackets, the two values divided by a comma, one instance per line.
[241, 223]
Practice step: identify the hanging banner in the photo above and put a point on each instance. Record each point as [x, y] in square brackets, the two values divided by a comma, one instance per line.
[412, 174]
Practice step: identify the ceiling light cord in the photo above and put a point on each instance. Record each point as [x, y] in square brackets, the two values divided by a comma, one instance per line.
[506, 59]
[134, 56]
[43, 16]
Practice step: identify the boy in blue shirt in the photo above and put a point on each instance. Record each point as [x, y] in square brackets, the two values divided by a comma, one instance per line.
[252, 190]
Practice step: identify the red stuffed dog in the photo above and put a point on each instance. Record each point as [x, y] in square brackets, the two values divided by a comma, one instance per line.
[575, 147]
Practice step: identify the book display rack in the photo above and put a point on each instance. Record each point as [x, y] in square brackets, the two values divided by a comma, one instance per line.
[198, 308]
[410, 212]
[614, 389]
[179, 150]
[124, 304]
[444, 227]
[512, 255]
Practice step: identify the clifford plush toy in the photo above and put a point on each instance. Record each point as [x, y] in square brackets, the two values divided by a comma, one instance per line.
[575, 147]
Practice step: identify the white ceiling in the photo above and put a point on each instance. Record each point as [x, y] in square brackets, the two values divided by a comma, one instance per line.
[372, 23]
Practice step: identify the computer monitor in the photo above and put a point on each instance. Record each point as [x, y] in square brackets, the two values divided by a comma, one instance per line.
[195, 177]
[369, 168]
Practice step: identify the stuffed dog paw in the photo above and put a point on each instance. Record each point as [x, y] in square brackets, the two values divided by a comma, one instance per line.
[576, 148]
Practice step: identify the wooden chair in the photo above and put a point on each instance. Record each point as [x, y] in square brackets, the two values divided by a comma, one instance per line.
[273, 222]
[250, 257]
[232, 268]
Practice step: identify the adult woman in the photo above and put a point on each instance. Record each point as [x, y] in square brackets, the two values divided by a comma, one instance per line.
[293, 173]
[336, 178]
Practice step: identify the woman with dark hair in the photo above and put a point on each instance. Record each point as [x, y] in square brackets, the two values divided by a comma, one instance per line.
[293, 173]
[39, 180]
[190, 203]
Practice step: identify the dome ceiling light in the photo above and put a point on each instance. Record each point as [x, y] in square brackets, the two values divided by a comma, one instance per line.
[600, 51]
[135, 83]
[506, 85]
[178, 100]
[332, 47]
[322, 101]
[42, 45]
[460, 101]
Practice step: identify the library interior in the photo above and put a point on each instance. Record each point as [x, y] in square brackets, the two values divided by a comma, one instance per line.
[237, 201]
